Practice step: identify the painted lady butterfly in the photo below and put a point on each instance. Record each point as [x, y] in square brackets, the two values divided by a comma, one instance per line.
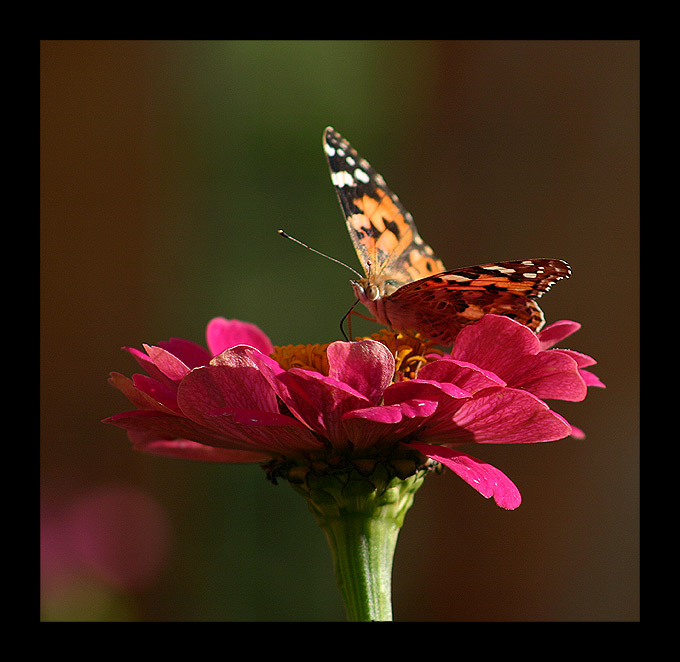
[407, 287]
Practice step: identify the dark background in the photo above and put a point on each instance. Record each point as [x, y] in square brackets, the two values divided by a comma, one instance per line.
[166, 169]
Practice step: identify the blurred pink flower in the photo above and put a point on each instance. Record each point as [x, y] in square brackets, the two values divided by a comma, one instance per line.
[118, 534]
[243, 400]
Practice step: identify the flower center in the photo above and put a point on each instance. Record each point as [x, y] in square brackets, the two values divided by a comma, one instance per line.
[309, 357]
[410, 354]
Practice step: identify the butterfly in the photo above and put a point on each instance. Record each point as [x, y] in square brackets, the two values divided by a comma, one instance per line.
[406, 286]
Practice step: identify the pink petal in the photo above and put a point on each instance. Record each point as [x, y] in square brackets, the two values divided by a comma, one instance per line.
[422, 389]
[512, 351]
[367, 366]
[238, 381]
[486, 479]
[159, 425]
[406, 406]
[462, 373]
[172, 367]
[184, 449]
[550, 374]
[321, 402]
[160, 392]
[211, 389]
[187, 351]
[137, 397]
[582, 360]
[590, 379]
[222, 334]
[496, 416]
[315, 399]
[230, 394]
[555, 332]
[146, 363]
[386, 424]
[495, 343]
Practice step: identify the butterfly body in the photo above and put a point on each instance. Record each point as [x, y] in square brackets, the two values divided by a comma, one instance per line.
[406, 286]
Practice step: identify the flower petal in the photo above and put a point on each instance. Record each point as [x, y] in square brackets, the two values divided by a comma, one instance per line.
[512, 351]
[222, 334]
[495, 416]
[231, 380]
[486, 479]
[232, 398]
[495, 343]
[461, 373]
[555, 332]
[187, 351]
[184, 449]
[167, 363]
[591, 379]
[315, 399]
[161, 392]
[160, 425]
[139, 398]
[367, 366]
[386, 424]
[422, 389]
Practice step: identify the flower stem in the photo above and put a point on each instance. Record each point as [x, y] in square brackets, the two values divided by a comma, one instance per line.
[361, 516]
[363, 551]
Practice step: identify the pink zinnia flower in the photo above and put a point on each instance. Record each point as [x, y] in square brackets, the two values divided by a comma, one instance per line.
[389, 398]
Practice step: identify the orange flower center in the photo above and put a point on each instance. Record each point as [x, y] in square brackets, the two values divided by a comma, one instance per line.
[410, 354]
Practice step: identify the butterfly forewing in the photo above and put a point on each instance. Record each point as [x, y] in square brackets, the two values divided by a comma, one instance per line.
[382, 230]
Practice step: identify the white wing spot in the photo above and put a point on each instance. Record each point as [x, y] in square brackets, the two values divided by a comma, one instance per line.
[342, 178]
[497, 267]
[361, 175]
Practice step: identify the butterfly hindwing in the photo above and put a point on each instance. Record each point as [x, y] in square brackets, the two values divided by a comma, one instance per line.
[439, 306]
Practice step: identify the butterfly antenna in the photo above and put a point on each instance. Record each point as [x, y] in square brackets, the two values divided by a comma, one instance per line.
[328, 257]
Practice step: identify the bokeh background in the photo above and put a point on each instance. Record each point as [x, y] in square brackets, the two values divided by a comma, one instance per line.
[166, 169]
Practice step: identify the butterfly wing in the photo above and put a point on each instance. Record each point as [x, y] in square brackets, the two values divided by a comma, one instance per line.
[440, 306]
[384, 235]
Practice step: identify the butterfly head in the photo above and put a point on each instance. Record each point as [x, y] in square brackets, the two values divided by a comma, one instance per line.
[364, 290]
[367, 290]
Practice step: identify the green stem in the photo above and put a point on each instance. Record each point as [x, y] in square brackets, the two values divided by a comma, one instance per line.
[363, 551]
[361, 516]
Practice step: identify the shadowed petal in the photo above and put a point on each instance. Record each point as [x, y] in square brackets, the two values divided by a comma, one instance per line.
[159, 425]
[183, 449]
[187, 351]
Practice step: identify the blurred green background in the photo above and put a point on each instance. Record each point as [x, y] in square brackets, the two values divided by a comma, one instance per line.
[166, 169]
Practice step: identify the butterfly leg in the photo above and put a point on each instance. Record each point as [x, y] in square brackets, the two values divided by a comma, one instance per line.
[348, 316]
